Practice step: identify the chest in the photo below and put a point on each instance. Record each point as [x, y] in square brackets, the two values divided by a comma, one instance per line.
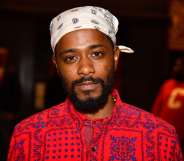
[96, 144]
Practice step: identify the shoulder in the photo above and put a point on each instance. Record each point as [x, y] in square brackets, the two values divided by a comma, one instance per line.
[144, 120]
[169, 82]
[41, 119]
[153, 132]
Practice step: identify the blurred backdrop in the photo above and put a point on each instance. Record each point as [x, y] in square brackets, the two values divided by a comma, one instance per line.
[28, 80]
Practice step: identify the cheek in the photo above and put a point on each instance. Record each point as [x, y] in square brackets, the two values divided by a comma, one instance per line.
[67, 75]
[105, 68]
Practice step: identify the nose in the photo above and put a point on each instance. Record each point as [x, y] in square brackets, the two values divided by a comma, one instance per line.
[86, 67]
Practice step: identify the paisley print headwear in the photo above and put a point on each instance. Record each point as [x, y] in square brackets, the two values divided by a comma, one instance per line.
[87, 17]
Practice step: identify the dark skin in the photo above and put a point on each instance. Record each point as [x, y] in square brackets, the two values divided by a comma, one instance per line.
[87, 53]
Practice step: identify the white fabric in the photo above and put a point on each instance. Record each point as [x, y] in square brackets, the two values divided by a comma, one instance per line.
[87, 17]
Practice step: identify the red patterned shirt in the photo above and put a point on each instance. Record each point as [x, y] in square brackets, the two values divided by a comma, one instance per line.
[61, 133]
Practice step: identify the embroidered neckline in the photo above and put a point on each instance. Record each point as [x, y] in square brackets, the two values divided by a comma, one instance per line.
[83, 118]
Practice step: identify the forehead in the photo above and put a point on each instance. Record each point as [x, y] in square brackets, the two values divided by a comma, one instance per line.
[84, 37]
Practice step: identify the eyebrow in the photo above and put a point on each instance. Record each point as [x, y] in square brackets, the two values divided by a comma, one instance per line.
[67, 51]
[70, 50]
[95, 46]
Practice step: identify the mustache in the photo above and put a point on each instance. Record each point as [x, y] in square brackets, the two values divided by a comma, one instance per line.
[84, 79]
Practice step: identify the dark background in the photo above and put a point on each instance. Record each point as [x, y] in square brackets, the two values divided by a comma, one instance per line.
[24, 30]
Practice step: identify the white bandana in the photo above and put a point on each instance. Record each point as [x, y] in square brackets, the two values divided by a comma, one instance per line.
[87, 17]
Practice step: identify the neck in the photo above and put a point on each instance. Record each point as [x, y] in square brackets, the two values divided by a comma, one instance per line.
[104, 112]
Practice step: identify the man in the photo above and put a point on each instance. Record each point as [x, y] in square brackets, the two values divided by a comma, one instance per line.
[92, 124]
[169, 103]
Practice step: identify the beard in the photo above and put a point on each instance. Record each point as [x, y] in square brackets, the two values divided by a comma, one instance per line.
[92, 104]
[178, 75]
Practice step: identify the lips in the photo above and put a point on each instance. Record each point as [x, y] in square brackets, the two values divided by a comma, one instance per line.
[87, 85]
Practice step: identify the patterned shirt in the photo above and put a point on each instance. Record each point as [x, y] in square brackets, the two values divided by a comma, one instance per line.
[61, 133]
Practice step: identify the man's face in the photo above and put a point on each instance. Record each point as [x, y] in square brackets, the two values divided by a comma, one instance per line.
[178, 69]
[86, 61]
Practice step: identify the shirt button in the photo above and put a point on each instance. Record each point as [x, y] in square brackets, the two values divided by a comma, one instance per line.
[93, 149]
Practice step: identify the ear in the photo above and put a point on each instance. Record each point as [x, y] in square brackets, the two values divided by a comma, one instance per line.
[54, 60]
[116, 57]
[55, 63]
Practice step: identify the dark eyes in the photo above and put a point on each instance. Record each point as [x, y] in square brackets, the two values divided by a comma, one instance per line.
[75, 58]
[71, 59]
[97, 54]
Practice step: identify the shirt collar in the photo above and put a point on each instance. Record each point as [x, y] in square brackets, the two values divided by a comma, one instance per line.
[82, 118]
